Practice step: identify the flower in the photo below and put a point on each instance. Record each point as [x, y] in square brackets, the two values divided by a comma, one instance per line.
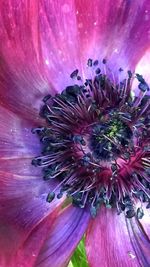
[93, 138]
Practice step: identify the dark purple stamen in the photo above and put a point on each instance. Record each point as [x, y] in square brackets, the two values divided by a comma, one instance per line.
[90, 62]
[95, 63]
[96, 143]
[74, 74]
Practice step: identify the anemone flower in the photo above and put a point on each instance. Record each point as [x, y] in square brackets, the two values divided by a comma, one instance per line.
[74, 138]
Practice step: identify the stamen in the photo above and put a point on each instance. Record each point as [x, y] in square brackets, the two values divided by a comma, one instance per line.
[96, 143]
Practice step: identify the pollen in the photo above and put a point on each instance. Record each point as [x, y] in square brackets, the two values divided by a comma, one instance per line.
[96, 144]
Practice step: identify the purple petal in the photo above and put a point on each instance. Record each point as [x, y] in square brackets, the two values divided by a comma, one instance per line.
[26, 253]
[23, 199]
[16, 139]
[23, 206]
[143, 66]
[19, 166]
[115, 241]
[68, 229]
[139, 231]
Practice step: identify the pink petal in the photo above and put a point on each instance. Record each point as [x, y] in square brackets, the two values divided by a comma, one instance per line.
[115, 241]
[23, 206]
[67, 231]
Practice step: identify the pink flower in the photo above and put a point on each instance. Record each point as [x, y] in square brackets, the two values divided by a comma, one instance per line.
[90, 142]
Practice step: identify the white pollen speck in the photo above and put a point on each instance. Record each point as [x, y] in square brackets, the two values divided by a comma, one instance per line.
[131, 255]
[132, 95]
[116, 50]
[46, 62]
[95, 23]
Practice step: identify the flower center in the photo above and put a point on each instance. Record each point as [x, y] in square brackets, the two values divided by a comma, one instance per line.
[96, 143]
[109, 137]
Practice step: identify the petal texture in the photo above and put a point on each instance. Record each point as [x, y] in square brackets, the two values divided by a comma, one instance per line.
[25, 254]
[112, 29]
[113, 241]
[16, 139]
[44, 41]
[22, 207]
[28, 252]
[21, 88]
[23, 200]
[143, 66]
[68, 229]
[33, 52]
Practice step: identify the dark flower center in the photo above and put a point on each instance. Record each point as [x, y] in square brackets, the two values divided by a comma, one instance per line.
[96, 143]
[109, 137]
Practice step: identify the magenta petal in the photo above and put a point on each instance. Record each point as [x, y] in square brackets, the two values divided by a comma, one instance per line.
[39, 50]
[59, 40]
[34, 51]
[27, 253]
[112, 29]
[22, 77]
[21, 87]
[68, 229]
[115, 241]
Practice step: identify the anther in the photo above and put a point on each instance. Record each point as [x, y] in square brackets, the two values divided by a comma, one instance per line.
[89, 63]
[50, 197]
[74, 74]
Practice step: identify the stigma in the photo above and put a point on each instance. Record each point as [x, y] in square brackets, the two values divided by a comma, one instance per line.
[96, 144]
